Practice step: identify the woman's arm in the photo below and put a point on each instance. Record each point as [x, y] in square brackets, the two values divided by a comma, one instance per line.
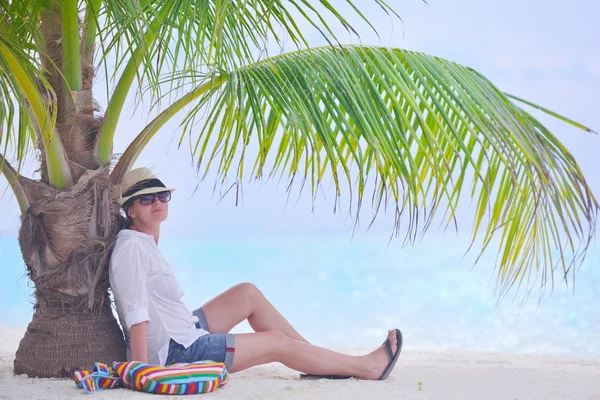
[139, 340]
[128, 281]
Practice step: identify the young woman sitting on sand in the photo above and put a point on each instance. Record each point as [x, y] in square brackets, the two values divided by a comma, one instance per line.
[160, 330]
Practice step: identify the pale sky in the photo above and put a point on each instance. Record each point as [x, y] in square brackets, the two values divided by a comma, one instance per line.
[544, 51]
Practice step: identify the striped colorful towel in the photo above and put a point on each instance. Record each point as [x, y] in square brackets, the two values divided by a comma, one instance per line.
[182, 378]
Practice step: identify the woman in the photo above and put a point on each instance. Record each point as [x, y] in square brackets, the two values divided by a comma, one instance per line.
[160, 330]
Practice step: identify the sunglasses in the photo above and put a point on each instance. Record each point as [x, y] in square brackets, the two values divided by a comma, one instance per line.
[147, 199]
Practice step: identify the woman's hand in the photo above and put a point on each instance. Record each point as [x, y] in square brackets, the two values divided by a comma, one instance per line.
[139, 342]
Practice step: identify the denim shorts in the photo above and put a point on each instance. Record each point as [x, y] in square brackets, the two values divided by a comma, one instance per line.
[214, 347]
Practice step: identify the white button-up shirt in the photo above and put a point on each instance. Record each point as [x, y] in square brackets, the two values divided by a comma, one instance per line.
[145, 289]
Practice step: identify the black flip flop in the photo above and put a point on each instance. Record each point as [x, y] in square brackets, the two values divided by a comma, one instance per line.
[391, 356]
[386, 372]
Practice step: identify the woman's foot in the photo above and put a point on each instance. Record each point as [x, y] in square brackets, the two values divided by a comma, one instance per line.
[379, 359]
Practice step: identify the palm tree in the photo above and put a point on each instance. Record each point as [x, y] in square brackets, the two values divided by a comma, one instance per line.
[419, 129]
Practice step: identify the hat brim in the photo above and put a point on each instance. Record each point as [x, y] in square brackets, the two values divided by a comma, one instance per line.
[123, 200]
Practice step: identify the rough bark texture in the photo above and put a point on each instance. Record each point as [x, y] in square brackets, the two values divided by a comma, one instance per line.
[63, 338]
[78, 137]
[66, 239]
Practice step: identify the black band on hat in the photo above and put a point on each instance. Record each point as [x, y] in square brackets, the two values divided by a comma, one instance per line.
[145, 184]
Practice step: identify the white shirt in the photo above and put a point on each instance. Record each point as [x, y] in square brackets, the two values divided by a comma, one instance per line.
[145, 289]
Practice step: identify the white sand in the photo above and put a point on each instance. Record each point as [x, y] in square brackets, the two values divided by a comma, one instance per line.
[443, 375]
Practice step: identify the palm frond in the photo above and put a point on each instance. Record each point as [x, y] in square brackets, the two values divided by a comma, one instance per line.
[148, 38]
[16, 127]
[135, 148]
[199, 35]
[71, 63]
[18, 26]
[426, 131]
[20, 21]
[552, 113]
[12, 177]
[25, 117]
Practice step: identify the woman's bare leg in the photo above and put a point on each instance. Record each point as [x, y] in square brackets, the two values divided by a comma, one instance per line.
[245, 301]
[265, 347]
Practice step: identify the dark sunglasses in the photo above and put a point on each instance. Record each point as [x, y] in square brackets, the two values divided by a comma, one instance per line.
[147, 199]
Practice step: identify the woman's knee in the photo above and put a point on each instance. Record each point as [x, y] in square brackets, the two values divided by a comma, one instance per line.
[248, 290]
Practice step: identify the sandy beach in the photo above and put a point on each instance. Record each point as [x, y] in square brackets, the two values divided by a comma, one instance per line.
[418, 375]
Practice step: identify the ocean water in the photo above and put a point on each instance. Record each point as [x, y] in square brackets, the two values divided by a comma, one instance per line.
[346, 293]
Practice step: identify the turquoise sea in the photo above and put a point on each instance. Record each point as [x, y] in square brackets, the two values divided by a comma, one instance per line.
[345, 293]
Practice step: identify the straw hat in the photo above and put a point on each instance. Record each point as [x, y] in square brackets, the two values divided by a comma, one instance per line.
[140, 181]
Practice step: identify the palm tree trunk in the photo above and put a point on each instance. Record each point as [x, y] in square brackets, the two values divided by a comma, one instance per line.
[66, 237]
[62, 339]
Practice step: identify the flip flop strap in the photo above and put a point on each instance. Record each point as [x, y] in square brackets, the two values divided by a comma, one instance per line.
[388, 350]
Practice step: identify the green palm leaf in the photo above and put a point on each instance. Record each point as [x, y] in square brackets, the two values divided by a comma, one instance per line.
[16, 27]
[152, 38]
[424, 130]
[25, 116]
[194, 34]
